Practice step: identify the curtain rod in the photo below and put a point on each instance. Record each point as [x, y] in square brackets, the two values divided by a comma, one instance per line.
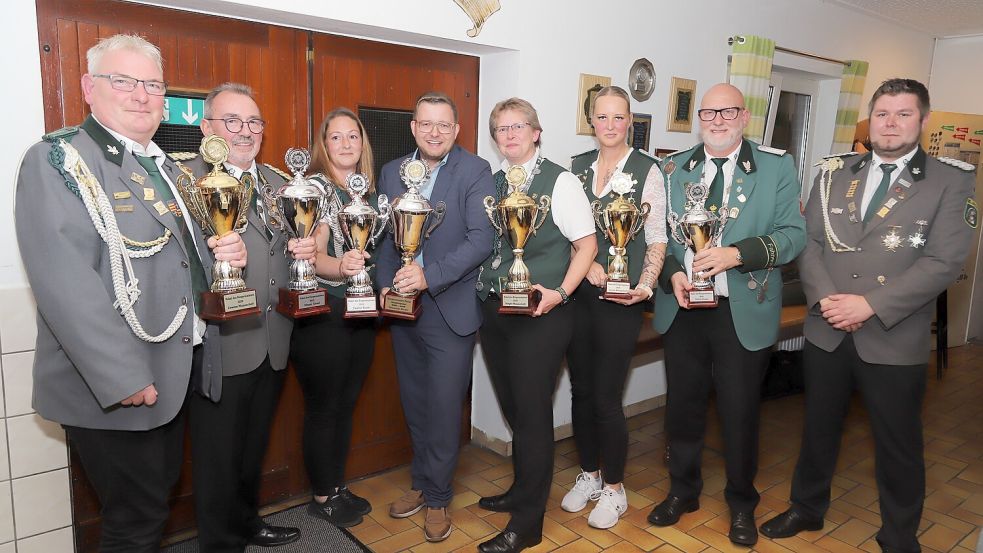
[740, 40]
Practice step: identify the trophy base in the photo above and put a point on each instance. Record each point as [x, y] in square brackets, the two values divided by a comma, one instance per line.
[519, 303]
[222, 306]
[617, 290]
[360, 306]
[699, 299]
[401, 307]
[297, 305]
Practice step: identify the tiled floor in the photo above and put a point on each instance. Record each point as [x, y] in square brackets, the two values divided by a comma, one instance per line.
[953, 508]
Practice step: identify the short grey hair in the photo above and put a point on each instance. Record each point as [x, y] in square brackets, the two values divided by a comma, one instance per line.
[237, 88]
[133, 43]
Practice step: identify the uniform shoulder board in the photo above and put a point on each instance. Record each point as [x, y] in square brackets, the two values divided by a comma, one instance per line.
[582, 154]
[278, 171]
[182, 156]
[770, 150]
[832, 156]
[670, 155]
[958, 164]
[63, 133]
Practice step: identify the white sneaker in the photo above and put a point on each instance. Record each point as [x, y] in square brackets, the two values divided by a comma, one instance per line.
[577, 498]
[611, 505]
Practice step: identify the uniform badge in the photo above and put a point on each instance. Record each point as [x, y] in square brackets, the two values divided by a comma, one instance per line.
[917, 239]
[734, 212]
[747, 166]
[972, 213]
[903, 182]
[891, 202]
[836, 210]
[741, 198]
[892, 240]
[125, 208]
[852, 191]
[739, 181]
[137, 178]
[148, 194]
[121, 195]
[916, 170]
[160, 208]
[112, 149]
[882, 280]
[692, 164]
[883, 211]
[669, 167]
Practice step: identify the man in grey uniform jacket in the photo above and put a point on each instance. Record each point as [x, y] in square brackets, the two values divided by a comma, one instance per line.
[112, 257]
[887, 233]
[233, 409]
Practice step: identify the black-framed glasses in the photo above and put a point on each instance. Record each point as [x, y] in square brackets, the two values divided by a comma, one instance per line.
[728, 114]
[235, 124]
[126, 83]
[516, 127]
[443, 127]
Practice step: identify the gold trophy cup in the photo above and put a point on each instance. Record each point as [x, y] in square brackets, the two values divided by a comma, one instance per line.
[698, 229]
[516, 217]
[409, 213]
[620, 221]
[360, 225]
[220, 204]
[301, 204]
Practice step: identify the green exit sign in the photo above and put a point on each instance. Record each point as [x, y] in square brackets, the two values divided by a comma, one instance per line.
[183, 111]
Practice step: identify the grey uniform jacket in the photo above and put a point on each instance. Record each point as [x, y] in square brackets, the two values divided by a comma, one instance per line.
[246, 341]
[87, 359]
[903, 259]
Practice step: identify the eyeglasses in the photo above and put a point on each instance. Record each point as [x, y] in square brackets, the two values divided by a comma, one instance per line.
[234, 124]
[427, 126]
[129, 84]
[516, 127]
[728, 114]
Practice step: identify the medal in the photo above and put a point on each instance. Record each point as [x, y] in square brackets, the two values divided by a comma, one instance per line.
[751, 284]
[892, 240]
[496, 262]
[917, 239]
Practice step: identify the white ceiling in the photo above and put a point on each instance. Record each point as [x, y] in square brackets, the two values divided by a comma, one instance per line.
[938, 18]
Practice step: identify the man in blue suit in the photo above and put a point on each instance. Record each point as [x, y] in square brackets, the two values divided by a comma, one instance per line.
[434, 352]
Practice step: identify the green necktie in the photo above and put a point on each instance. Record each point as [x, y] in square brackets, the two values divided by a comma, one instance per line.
[198, 282]
[716, 195]
[878, 197]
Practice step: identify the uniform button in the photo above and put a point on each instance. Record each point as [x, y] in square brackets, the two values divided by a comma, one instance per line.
[186, 339]
[184, 264]
[859, 250]
[184, 300]
[272, 282]
[855, 275]
[272, 252]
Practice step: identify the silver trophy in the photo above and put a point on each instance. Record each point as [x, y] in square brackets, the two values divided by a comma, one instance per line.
[698, 228]
[360, 225]
[301, 204]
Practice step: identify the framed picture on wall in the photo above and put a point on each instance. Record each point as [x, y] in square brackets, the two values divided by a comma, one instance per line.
[682, 99]
[661, 153]
[589, 87]
[641, 129]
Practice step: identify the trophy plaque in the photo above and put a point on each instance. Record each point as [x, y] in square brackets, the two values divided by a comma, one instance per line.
[361, 225]
[698, 229]
[220, 205]
[620, 221]
[301, 204]
[408, 216]
[518, 217]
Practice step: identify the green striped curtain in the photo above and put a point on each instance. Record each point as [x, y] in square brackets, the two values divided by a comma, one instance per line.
[848, 110]
[750, 71]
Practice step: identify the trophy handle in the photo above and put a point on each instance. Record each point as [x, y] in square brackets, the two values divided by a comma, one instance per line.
[595, 208]
[245, 202]
[438, 217]
[385, 210]
[673, 220]
[274, 218]
[544, 208]
[185, 184]
[642, 215]
[490, 209]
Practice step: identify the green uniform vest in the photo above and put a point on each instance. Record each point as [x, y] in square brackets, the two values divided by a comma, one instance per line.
[638, 166]
[547, 253]
[371, 199]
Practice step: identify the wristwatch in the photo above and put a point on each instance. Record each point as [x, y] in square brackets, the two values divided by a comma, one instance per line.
[564, 298]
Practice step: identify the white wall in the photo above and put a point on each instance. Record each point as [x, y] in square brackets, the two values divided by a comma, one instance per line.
[956, 79]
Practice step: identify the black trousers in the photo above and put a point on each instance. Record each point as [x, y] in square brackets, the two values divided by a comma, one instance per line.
[605, 336]
[228, 442]
[524, 355]
[702, 351]
[133, 473]
[893, 397]
[332, 356]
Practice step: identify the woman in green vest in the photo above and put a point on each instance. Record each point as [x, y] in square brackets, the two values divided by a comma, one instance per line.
[330, 353]
[606, 331]
[524, 352]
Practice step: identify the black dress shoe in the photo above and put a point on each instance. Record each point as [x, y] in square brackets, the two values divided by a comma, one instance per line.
[509, 542]
[360, 504]
[270, 536]
[742, 528]
[789, 524]
[499, 503]
[668, 512]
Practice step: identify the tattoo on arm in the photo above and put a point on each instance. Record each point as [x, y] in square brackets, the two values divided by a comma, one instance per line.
[655, 256]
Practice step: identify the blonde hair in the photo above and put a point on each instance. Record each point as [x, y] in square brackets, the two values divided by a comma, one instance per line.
[611, 91]
[321, 160]
[434, 97]
[133, 43]
[514, 104]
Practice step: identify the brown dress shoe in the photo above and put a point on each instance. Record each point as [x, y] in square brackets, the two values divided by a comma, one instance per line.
[408, 505]
[437, 525]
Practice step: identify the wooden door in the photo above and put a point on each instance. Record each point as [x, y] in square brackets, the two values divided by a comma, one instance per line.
[360, 74]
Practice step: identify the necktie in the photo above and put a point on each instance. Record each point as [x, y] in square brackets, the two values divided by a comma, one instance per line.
[878, 197]
[716, 196]
[198, 282]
